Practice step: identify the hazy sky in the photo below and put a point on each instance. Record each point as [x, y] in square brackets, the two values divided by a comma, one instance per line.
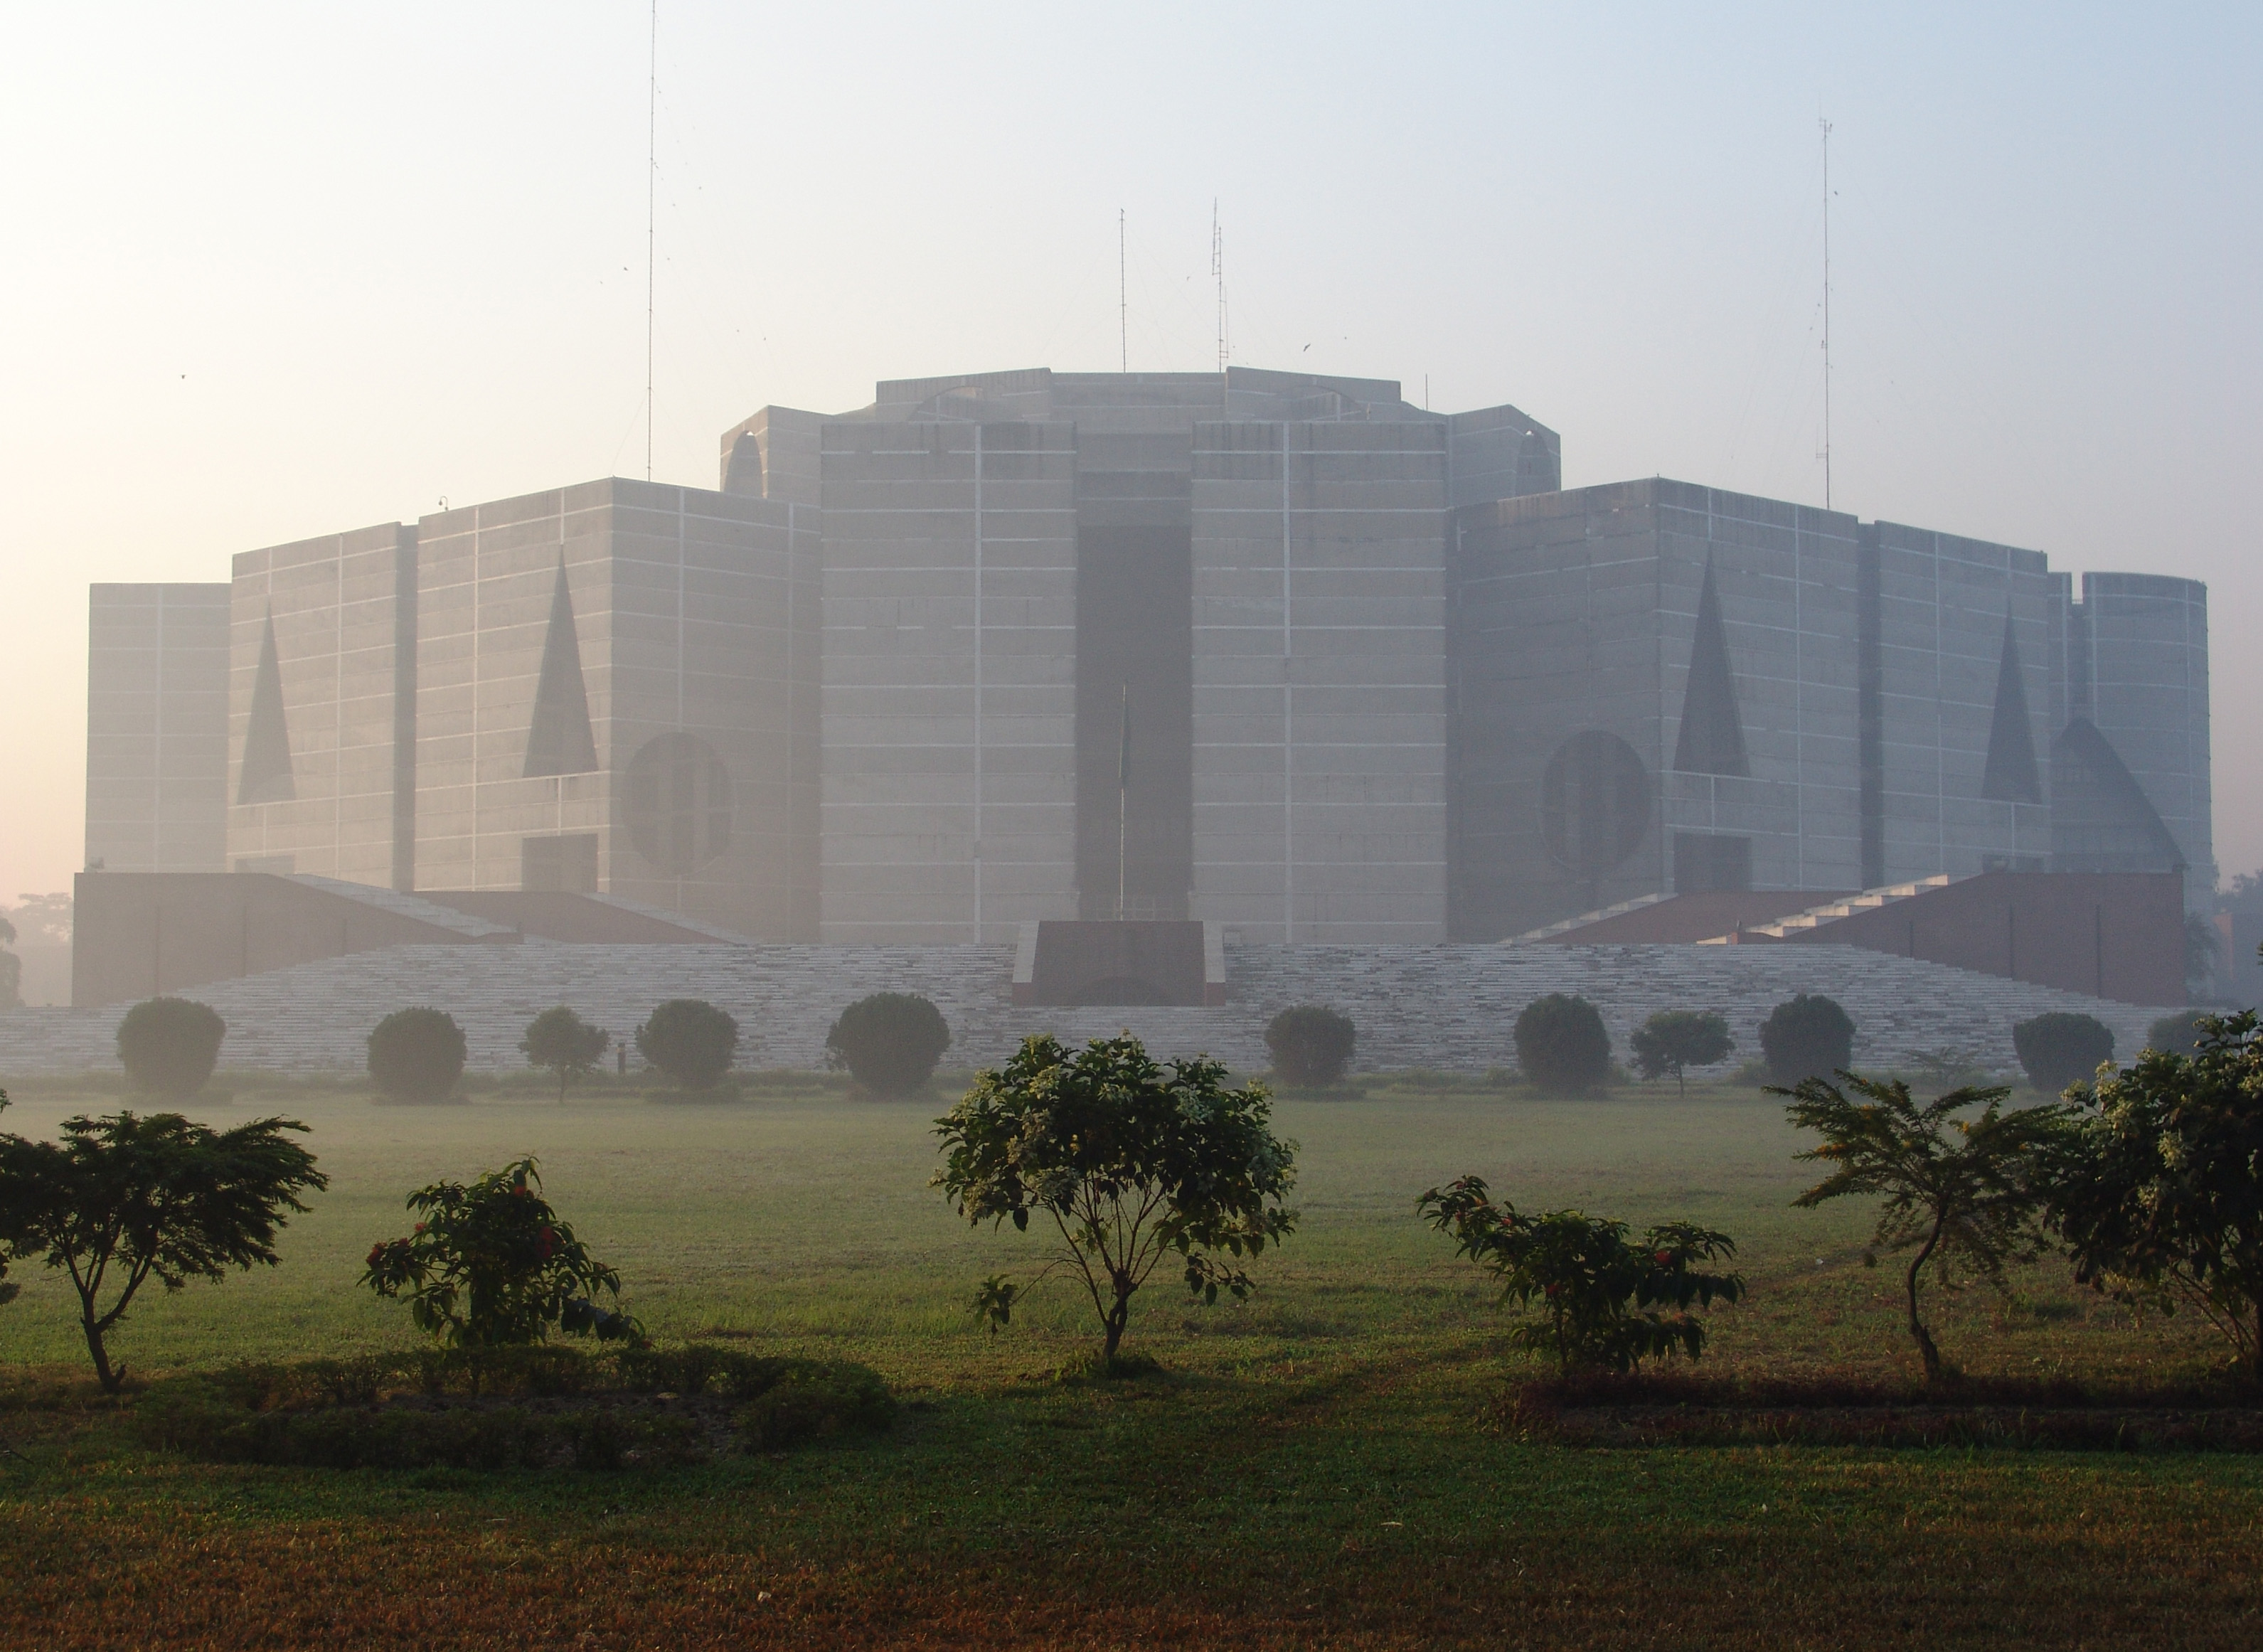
[276, 272]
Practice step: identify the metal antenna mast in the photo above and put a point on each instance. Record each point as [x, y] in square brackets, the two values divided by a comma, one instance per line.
[1123, 326]
[1217, 275]
[1825, 125]
[651, 196]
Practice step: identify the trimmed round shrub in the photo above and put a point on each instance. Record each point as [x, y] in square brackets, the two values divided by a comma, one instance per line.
[2060, 1048]
[1562, 1046]
[2175, 1034]
[889, 1041]
[416, 1055]
[690, 1041]
[1806, 1036]
[169, 1046]
[1311, 1043]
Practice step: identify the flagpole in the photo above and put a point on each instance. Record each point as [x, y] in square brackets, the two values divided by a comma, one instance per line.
[1123, 794]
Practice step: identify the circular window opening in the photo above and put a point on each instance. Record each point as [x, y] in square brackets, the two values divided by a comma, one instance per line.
[1595, 803]
[676, 804]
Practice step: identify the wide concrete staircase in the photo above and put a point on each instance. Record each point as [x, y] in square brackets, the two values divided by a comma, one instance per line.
[1816, 918]
[1447, 1007]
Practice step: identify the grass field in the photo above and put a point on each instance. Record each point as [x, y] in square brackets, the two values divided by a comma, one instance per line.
[1318, 1467]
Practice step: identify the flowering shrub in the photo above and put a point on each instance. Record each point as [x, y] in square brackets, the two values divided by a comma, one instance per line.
[1600, 1294]
[2162, 1199]
[492, 1266]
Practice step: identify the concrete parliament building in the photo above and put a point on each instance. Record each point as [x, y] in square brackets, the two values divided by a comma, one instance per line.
[1277, 652]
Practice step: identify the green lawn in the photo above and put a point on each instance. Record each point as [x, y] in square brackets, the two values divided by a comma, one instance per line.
[1316, 1468]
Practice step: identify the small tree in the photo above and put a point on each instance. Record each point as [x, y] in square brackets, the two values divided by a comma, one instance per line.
[1672, 1041]
[123, 1198]
[2176, 1033]
[889, 1041]
[1562, 1046]
[1601, 1296]
[2203, 954]
[169, 1046]
[2163, 1202]
[11, 970]
[568, 1046]
[1311, 1043]
[1972, 1191]
[1131, 1161]
[2058, 1048]
[1806, 1036]
[416, 1055]
[7, 1289]
[491, 1266]
[690, 1041]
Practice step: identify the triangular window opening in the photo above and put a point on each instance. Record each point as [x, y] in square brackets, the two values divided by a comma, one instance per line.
[265, 776]
[560, 742]
[2101, 820]
[2011, 776]
[1713, 736]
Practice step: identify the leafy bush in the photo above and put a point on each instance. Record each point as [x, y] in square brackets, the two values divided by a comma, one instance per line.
[2176, 1033]
[1131, 1163]
[8, 1289]
[1674, 1040]
[1806, 1036]
[1600, 1296]
[560, 1041]
[169, 1046]
[889, 1041]
[690, 1041]
[202, 1417]
[813, 1400]
[348, 1414]
[1562, 1046]
[789, 1400]
[2058, 1048]
[492, 1266]
[1311, 1043]
[416, 1055]
[2164, 1203]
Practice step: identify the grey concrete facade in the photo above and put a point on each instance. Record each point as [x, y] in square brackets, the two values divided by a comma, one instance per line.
[1577, 622]
[617, 693]
[2143, 645]
[1951, 616]
[949, 701]
[1882, 703]
[322, 706]
[157, 727]
[1280, 651]
[1245, 570]
[1320, 727]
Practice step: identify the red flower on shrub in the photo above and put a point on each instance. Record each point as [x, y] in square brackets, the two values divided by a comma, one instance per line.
[1664, 1259]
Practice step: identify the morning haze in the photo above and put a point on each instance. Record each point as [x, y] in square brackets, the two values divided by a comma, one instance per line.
[295, 273]
[1058, 828]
